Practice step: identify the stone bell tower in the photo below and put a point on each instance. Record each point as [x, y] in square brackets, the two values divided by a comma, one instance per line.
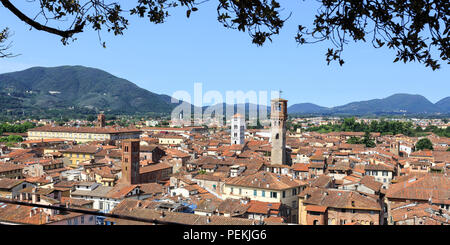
[278, 117]
[101, 122]
[130, 161]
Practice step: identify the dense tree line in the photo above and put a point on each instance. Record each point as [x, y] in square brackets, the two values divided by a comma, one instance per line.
[11, 139]
[350, 125]
[438, 131]
[384, 127]
[15, 128]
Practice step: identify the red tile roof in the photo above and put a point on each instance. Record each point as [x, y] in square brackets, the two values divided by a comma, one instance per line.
[315, 208]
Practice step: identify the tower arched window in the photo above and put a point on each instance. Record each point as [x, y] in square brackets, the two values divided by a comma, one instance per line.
[277, 136]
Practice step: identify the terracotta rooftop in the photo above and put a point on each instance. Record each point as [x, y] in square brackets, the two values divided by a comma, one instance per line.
[266, 180]
[301, 167]
[130, 207]
[6, 167]
[154, 167]
[91, 149]
[315, 208]
[105, 130]
[263, 207]
[6, 183]
[339, 199]
[435, 186]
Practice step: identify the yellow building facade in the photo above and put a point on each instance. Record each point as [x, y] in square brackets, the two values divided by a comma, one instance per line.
[82, 134]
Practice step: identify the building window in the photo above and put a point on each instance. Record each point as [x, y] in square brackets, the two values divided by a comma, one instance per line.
[273, 195]
[284, 194]
[254, 193]
[240, 191]
[263, 194]
[232, 190]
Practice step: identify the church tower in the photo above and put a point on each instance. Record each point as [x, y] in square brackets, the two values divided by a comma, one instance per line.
[101, 122]
[237, 129]
[130, 161]
[278, 116]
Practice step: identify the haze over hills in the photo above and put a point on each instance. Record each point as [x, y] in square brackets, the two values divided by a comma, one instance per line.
[306, 108]
[395, 104]
[444, 104]
[38, 90]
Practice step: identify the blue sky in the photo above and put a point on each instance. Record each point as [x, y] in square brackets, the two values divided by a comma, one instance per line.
[173, 56]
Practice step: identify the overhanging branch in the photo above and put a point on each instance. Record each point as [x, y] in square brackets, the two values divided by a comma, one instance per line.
[65, 34]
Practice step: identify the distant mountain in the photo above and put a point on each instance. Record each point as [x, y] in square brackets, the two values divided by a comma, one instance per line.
[79, 90]
[70, 87]
[307, 108]
[237, 108]
[395, 104]
[444, 104]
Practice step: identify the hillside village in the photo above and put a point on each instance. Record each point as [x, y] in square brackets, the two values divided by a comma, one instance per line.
[223, 176]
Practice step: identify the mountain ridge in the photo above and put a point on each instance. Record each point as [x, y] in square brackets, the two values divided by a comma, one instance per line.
[38, 90]
[400, 103]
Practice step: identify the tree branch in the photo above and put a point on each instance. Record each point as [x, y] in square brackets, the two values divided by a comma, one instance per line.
[65, 34]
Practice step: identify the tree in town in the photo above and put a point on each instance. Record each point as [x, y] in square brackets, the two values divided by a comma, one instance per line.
[417, 30]
[367, 140]
[424, 144]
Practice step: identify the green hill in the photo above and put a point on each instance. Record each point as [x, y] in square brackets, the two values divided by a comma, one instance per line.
[76, 88]
[397, 103]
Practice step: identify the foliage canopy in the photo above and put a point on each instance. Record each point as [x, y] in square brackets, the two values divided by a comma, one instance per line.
[416, 29]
